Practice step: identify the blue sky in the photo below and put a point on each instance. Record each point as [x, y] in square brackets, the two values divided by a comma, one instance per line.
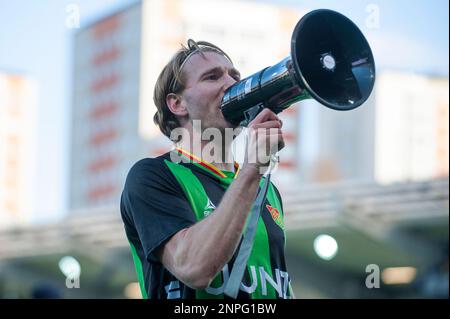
[34, 40]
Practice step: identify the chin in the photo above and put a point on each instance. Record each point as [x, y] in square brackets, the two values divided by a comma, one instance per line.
[226, 124]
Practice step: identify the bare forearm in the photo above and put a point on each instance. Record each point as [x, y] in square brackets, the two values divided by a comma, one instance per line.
[210, 244]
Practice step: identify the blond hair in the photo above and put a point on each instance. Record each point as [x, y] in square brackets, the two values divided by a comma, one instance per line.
[170, 80]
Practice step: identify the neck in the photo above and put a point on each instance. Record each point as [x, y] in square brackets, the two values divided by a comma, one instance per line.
[216, 151]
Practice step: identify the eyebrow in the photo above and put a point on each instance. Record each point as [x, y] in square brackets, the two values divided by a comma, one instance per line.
[233, 71]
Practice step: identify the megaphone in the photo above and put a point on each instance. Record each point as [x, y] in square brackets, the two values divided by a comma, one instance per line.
[330, 61]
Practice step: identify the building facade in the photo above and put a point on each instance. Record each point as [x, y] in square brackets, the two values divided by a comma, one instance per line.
[17, 148]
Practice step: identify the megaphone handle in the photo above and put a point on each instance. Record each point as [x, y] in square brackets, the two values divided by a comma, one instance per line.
[251, 113]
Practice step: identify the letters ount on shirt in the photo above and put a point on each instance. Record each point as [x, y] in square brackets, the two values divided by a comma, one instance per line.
[280, 283]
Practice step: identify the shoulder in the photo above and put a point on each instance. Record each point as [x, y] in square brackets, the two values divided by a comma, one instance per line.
[145, 166]
[149, 171]
[149, 164]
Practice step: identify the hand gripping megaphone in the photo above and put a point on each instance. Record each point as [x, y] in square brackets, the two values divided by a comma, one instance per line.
[330, 61]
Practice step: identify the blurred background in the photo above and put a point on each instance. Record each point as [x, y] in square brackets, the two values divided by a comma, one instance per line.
[365, 192]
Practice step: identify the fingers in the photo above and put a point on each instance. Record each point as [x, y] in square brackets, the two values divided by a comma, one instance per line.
[262, 144]
[263, 131]
[264, 116]
[265, 137]
[268, 124]
[271, 138]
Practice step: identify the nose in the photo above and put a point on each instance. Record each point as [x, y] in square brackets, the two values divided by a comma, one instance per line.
[229, 81]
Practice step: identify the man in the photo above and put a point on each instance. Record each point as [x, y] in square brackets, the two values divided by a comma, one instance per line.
[184, 221]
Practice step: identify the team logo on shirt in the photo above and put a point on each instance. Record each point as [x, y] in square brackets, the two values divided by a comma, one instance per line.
[209, 208]
[276, 216]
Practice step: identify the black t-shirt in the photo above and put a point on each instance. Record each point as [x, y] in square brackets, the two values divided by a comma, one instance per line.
[162, 197]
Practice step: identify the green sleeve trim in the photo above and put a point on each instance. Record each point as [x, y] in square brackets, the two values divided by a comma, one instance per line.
[140, 273]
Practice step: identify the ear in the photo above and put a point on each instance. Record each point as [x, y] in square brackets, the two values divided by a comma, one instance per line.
[175, 105]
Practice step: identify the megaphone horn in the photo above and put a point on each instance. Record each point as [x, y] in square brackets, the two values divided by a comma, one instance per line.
[330, 61]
